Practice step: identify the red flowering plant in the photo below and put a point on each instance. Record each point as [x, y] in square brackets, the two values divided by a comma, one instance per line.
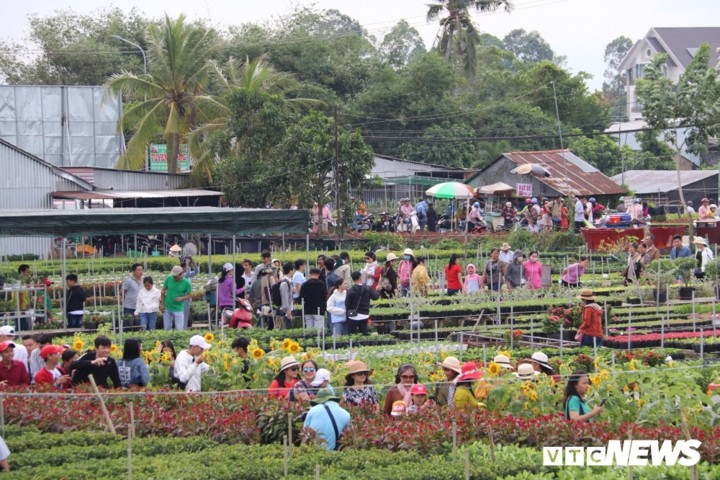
[568, 316]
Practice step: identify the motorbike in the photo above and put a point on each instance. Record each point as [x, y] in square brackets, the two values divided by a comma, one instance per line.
[241, 317]
[365, 223]
[444, 223]
[385, 223]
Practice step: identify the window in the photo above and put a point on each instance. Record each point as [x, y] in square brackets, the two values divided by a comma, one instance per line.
[639, 70]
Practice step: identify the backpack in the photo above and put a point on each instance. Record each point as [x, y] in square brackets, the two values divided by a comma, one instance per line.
[275, 295]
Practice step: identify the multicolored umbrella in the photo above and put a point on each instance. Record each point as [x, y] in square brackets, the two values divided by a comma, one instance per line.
[451, 190]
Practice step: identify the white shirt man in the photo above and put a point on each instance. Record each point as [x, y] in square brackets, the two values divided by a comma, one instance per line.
[7, 334]
[190, 364]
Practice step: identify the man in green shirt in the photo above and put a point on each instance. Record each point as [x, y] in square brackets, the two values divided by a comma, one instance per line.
[176, 289]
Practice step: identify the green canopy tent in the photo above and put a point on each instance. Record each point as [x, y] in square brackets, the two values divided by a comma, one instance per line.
[207, 220]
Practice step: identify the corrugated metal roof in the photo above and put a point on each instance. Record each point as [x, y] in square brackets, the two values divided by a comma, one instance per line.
[111, 194]
[644, 182]
[569, 174]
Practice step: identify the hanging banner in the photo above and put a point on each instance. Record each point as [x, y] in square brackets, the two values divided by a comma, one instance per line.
[158, 158]
[524, 189]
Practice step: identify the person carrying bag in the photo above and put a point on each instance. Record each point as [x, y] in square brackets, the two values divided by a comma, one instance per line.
[357, 302]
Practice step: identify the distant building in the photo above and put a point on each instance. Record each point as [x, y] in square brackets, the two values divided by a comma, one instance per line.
[661, 186]
[565, 174]
[679, 43]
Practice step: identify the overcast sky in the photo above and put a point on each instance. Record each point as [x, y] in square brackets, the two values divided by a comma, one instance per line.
[578, 29]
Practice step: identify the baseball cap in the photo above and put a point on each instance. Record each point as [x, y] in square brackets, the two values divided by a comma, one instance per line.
[228, 266]
[418, 389]
[321, 376]
[7, 330]
[176, 270]
[5, 345]
[199, 341]
[48, 350]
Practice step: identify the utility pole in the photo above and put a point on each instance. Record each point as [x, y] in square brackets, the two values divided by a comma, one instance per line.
[338, 197]
[562, 146]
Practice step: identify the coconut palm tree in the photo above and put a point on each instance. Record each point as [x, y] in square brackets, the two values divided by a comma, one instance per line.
[458, 35]
[254, 75]
[171, 99]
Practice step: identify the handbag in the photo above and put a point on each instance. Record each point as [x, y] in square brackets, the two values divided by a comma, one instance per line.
[335, 428]
[579, 337]
[354, 312]
[385, 282]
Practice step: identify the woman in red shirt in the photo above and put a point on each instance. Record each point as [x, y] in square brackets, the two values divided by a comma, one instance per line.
[453, 275]
[286, 378]
[592, 320]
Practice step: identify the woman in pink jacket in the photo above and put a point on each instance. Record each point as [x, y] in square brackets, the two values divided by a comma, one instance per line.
[533, 272]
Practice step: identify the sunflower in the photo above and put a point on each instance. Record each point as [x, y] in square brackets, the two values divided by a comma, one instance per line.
[78, 344]
[604, 375]
[595, 380]
[640, 403]
[209, 337]
[294, 348]
[286, 344]
[596, 363]
[536, 411]
[258, 353]
[493, 369]
[274, 345]
[506, 353]
[533, 396]
[633, 366]
[226, 366]
[113, 348]
[166, 357]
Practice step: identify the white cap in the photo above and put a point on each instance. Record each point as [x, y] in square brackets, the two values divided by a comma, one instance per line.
[199, 341]
[228, 266]
[321, 376]
[7, 330]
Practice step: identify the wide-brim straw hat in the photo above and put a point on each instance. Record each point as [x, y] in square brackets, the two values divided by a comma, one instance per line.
[503, 361]
[542, 359]
[525, 371]
[390, 257]
[451, 363]
[408, 251]
[586, 294]
[356, 366]
[288, 362]
[505, 246]
[176, 248]
[700, 241]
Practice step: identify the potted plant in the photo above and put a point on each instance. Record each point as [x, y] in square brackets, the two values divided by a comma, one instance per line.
[663, 273]
[685, 267]
[712, 273]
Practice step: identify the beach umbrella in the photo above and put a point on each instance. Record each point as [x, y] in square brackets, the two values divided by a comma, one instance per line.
[451, 190]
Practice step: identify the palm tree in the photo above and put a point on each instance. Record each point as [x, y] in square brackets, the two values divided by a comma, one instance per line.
[171, 98]
[254, 75]
[458, 34]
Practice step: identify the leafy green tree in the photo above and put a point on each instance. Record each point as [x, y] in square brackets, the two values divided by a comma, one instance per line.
[458, 36]
[173, 92]
[693, 106]
[577, 107]
[601, 151]
[528, 47]
[401, 45]
[614, 84]
[74, 49]
[445, 144]
[307, 157]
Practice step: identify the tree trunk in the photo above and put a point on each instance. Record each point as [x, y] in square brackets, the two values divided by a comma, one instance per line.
[173, 150]
[682, 196]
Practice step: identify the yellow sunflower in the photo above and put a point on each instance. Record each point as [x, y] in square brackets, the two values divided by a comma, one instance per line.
[209, 337]
[595, 380]
[166, 357]
[113, 348]
[493, 369]
[286, 344]
[640, 403]
[78, 344]
[258, 353]
[533, 396]
[274, 345]
[506, 353]
[157, 344]
[596, 363]
[294, 348]
[632, 364]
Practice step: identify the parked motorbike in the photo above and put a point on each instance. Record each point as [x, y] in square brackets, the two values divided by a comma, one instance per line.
[385, 223]
[365, 223]
[241, 317]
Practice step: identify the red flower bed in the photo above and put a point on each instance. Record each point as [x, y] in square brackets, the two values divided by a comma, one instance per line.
[234, 418]
[652, 337]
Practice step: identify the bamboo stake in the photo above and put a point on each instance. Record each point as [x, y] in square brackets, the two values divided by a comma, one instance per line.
[102, 405]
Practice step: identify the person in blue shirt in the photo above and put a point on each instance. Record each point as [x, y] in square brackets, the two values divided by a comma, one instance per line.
[679, 250]
[132, 368]
[327, 418]
[421, 210]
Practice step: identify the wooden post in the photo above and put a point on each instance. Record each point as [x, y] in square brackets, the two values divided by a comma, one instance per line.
[317, 471]
[290, 429]
[285, 455]
[454, 439]
[102, 405]
[467, 464]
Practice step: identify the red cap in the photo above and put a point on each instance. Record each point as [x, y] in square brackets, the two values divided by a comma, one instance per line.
[418, 389]
[5, 345]
[47, 282]
[48, 350]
